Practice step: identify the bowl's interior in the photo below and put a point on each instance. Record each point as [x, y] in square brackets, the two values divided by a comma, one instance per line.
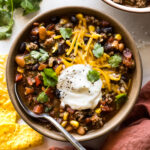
[10, 73]
[128, 8]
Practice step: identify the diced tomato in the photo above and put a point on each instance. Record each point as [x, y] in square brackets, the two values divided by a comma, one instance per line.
[20, 60]
[38, 109]
[28, 90]
[42, 67]
[50, 93]
[37, 81]
[18, 77]
[30, 80]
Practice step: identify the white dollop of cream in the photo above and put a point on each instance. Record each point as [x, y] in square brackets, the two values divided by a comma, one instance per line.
[75, 89]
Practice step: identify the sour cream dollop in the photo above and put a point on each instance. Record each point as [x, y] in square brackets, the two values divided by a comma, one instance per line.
[75, 89]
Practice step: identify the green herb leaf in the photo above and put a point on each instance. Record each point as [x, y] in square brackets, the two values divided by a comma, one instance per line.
[49, 77]
[66, 32]
[93, 76]
[120, 99]
[30, 6]
[6, 13]
[35, 54]
[42, 97]
[51, 73]
[115, 60]
[6, 24]
[44, 55]
[41, 56]
[98, 50]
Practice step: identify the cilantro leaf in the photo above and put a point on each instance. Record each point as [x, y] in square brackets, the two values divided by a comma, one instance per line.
[49, 77]
[6, 24]
[35, 54]
[115, 60]
[42, 97]
[119, 99]
[30, 6]
[51, 73]
[93, 76]
[66, 32]
[42, 56]
[98, 50]
[6, 13]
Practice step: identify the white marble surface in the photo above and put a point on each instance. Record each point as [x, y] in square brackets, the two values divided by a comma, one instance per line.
[137, 24]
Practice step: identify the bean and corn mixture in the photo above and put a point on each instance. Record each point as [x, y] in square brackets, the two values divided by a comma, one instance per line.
[134, 3]
[65, 41]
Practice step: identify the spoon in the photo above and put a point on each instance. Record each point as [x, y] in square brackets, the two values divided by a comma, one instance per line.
[67, 135]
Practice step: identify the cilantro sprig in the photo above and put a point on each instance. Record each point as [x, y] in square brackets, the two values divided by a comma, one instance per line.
[98, 50]
[93, 76]
[7, 8]
[115, 60]
[66, 32]
[49, 77]
[41, 56]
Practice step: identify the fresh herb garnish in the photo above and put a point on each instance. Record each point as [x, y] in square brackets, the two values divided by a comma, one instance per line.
[98, 50]
[115, 60]
[7, 8]
[93, 76]
[49, 77]
[30, 6]
[41, 56]
[66, 32]
[119, 99]
[42, 97]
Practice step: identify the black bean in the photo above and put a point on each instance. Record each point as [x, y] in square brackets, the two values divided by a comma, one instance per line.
[57, 93]
[33, 38]
[22, 47]
[86, 39]
[55, 19]
[108, 47]
[124, 77]
[36, 42]
[107, 30]
[61, 49]
[98, 30]
[35, 67]
[74, 19]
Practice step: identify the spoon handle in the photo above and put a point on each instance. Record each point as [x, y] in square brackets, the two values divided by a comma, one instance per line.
[67, 135]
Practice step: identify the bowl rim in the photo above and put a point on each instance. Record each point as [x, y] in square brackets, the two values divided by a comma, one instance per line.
[51, 134]
[127, 8]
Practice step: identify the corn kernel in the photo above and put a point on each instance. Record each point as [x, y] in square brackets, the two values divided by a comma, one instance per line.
[55, 48]
[91, 28]
[74, 123]
[64, 123]
[65, 116]
[63, 21]
[118, 37]
[19, 69]
[59, 69]
[79, 16]
[98, 110]
[27, 48]
[57, 37]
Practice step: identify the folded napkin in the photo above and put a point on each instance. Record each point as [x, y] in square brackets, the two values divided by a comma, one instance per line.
[134, 133]
[135, 130]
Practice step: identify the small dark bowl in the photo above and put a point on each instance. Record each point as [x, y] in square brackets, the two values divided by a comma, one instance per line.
[135, 87]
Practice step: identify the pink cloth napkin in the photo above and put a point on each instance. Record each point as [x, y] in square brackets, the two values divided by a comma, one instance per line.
[135, 130]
